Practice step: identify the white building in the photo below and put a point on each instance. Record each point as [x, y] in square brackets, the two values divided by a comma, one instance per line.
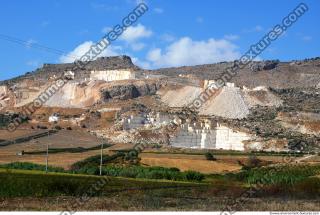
[54, 117]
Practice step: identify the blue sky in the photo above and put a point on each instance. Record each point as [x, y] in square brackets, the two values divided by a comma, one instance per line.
[171, 33]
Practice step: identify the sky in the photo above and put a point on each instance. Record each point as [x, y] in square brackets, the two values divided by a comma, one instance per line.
[170, 33]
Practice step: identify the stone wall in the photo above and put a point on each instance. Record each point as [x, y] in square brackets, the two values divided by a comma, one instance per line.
[112, 75]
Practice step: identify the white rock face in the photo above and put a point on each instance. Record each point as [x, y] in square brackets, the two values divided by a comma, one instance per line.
[220, 137]
[112, 75]
[228, 139]
[3, 90]
[3, 96]
[73, 94]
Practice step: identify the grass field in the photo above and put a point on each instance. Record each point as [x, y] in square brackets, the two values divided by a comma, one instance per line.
[39, 184]
[35, 190]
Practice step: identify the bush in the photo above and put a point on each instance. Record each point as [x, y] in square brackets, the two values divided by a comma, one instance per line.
[57, 127]
[175, 169]
[288, 174]
[252, 162]
[194, 176]
[209, 156]
[42, 127]
[31, 166]
[152, 173]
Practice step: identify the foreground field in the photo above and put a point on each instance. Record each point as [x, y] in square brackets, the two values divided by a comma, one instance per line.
[35, 190]
[156, 200]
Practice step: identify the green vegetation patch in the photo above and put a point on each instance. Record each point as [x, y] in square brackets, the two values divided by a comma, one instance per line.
[22, 183]
[30, 166]
[69, 150]
[285, 174]
[152, 173]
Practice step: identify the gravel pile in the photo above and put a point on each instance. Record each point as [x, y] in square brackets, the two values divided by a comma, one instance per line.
[230, 103]
[180, 97]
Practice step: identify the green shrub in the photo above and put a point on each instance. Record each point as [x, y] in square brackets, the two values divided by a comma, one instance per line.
[194, 176]
[30, 166]
[151, 173]
[288, 174]
[209, 156]
[175, 169]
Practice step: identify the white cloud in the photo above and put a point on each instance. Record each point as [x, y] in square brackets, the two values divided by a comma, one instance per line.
[185, 51]
[158, 10]
[134, 33]
[84, 47]
[142, 64]
[137, 46]
[231, 37]
[154, 55]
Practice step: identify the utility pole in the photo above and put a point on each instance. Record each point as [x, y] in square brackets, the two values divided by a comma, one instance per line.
[101, 159]
[47, 156]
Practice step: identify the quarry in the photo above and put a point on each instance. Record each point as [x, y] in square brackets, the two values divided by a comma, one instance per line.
[118, 117]
[140, 105]
[116, 101]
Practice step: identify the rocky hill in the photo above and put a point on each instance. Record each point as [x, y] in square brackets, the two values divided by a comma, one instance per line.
[275, 74]
[301, 73]
[50, 70]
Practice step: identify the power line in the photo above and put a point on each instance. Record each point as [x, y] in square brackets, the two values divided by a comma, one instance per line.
[31, 44]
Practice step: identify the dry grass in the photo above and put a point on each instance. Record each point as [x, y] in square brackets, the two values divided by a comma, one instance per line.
[7, 135]
[134, 201]
[189, 162]
[224, 163]
[62, 139]
[64, 160]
